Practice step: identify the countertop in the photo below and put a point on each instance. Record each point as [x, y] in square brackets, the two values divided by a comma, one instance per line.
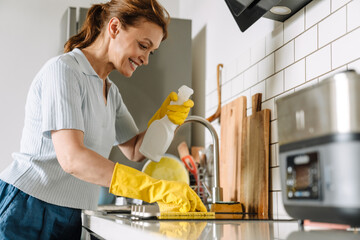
[113, 226]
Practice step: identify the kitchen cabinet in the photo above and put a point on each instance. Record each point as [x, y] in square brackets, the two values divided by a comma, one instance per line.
[114, 227]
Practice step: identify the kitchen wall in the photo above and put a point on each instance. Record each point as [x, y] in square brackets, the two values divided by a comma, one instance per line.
[274, 58]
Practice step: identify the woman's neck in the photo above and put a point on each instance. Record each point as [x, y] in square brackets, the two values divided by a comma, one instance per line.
[97, 55]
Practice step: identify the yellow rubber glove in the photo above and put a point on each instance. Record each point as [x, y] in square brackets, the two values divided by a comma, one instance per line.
[176, 113]
[131, 183]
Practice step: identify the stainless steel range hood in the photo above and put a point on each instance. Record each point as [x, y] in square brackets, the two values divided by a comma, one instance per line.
[247, 12]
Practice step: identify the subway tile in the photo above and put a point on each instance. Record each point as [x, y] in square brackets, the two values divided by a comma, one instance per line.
[346, 49]
[273, 205]
[230, 71]
[225, 92]
[274, 149]
[274, 138]
[275, 179]
[340, 69]
[213, 100]
[259, 88]
[246, 93]
[274, 85]
[266, 67]
[237, 85]
[355, 66]
[257, 51]
[248, 112]
[306, 43]
[318, 63]
[210, 84]
[294, 75]
[282, 214]
[269, 104]
[274, 40]
[332, 27]
[336, 4]
[316, 11]
[307, 84]
[244, 61]
[353, 16]
[284, 56]
[250, 77]
[294, 26]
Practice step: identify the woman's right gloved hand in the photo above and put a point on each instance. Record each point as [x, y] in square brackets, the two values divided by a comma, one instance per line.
[131, 183]
[176, 113]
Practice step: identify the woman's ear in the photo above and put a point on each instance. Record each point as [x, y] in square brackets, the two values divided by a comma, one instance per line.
[114, 26]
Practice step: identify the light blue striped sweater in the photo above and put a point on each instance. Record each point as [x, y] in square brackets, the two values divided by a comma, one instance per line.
[66, 94]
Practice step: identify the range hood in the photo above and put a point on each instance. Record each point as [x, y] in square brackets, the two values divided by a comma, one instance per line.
[247, 12]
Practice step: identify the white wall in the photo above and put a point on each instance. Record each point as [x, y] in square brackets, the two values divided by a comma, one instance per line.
[274, 58]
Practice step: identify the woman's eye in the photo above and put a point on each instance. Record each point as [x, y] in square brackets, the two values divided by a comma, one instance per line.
[142, 46]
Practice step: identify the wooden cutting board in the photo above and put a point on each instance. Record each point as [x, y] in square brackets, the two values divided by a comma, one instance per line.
[254, 187]
[231, 119]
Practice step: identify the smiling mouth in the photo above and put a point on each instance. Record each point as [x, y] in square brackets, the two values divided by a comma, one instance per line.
[134, 65]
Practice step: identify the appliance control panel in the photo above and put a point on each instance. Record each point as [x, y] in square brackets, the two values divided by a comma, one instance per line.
[303, 176]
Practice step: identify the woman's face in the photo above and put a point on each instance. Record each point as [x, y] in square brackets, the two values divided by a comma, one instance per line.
[131, 47]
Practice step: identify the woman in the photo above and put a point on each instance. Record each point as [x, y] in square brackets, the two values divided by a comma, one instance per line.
[74, 114]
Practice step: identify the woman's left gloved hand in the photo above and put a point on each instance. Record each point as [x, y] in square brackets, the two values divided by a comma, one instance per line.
[171, 196]
[176, 113]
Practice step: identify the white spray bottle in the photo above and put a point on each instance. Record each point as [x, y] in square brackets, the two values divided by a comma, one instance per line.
[160, 133]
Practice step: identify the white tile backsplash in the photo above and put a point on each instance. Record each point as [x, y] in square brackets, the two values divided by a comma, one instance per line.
[318, 63]
[274, 40]
[274, 85]
[274, 149]
[294, 26]
[225, 92]
[266, 67]
[250, 77]
[274, 208]
[319, 41]
[316, 11]
[332, 27]
[284, 56]
[211, 83]
[274, 133]
[230, 71]
[294, 75]
[257, 51]
[346, 49]
[336, 4]
[237, 85]
[353, 16]
[259, 88]
[244, 60]
[306, 43]
[275, 176]
[355, 66]
[269, 104]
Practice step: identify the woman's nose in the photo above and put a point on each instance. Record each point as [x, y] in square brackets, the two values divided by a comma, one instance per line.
[145, 58]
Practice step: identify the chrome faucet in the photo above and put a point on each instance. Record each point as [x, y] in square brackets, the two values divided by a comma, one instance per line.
[216, 189]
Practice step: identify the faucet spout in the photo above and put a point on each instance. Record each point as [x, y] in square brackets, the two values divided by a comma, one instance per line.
[216, 189]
